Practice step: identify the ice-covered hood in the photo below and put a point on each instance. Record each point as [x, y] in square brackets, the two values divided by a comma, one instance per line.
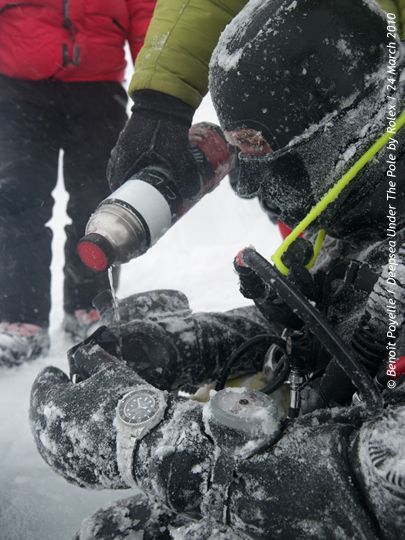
[310, 77]
[292, 180]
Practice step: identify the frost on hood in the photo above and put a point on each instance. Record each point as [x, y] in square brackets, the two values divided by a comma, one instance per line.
[236, 28]
[337, 134]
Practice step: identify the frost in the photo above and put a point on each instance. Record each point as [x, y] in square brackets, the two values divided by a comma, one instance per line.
[197, 469]
[258, 419]
[374, 6]
[45, 507]
[163, 451]
[348, 154]
[52, 413]
[228, 61]
[342, 46]
[292, 6]
[134, 535]
[221, 54]
[49, 444]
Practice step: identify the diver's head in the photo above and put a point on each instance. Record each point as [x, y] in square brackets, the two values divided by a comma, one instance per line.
[300, 88]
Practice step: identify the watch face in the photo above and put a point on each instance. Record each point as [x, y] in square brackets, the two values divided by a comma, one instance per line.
[138, 407]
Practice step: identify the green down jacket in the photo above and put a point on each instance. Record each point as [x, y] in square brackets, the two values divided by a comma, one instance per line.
[180, 41]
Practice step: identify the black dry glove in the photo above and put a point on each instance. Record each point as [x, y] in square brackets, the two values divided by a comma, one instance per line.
[73, 423]
[156, 134]
[171, 347]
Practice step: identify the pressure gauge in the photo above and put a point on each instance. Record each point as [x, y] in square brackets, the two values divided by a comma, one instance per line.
[246, 411]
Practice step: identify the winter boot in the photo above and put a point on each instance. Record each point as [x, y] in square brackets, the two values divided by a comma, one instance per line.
[81, 323]
[20, 342]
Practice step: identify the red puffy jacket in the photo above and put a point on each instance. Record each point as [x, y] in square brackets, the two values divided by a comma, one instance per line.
[70, 40]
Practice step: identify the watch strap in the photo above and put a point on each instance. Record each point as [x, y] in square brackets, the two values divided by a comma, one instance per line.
[126, 442]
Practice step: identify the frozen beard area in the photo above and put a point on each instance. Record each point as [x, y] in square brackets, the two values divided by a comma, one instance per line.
[195, 256]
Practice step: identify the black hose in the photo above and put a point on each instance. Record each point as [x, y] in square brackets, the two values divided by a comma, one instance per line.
[280, 375]
[224, 375]
[318, 326]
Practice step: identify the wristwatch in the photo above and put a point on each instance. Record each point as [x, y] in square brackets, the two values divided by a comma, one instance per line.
[139, 411]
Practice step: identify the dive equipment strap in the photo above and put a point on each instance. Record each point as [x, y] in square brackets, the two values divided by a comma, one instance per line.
[328, 199]
[319, 326]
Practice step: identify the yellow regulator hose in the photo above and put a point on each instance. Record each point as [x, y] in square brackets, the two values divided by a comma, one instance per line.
[328, 198]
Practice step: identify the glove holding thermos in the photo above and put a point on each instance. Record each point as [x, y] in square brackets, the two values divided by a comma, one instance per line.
[159, 169]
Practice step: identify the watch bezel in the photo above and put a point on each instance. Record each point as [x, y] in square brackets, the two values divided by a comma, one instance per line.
[157, 395]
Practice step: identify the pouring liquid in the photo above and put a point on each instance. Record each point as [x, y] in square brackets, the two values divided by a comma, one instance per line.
[115, 306]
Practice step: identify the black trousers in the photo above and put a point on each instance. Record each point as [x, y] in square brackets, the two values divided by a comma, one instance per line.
[37, 120]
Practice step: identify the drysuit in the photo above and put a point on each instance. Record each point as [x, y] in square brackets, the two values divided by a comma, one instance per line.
[333, 473]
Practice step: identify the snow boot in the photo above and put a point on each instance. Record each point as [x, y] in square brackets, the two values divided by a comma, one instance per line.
[21, 341]
[81, 323]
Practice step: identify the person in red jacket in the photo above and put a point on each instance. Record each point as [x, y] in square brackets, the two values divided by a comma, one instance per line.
[61, 68]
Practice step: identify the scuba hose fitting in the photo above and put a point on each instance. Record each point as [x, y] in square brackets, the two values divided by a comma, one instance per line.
[235, 356]
[318, 326]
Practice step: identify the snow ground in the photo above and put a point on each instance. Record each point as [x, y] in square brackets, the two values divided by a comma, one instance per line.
[196, 257]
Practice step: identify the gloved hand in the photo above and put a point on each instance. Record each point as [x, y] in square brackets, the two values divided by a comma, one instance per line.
[156, 134]
[171, 347]
[144, 345]
[73, 423]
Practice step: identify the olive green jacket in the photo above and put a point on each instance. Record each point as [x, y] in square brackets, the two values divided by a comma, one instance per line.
[180, 41]
[397, 7]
